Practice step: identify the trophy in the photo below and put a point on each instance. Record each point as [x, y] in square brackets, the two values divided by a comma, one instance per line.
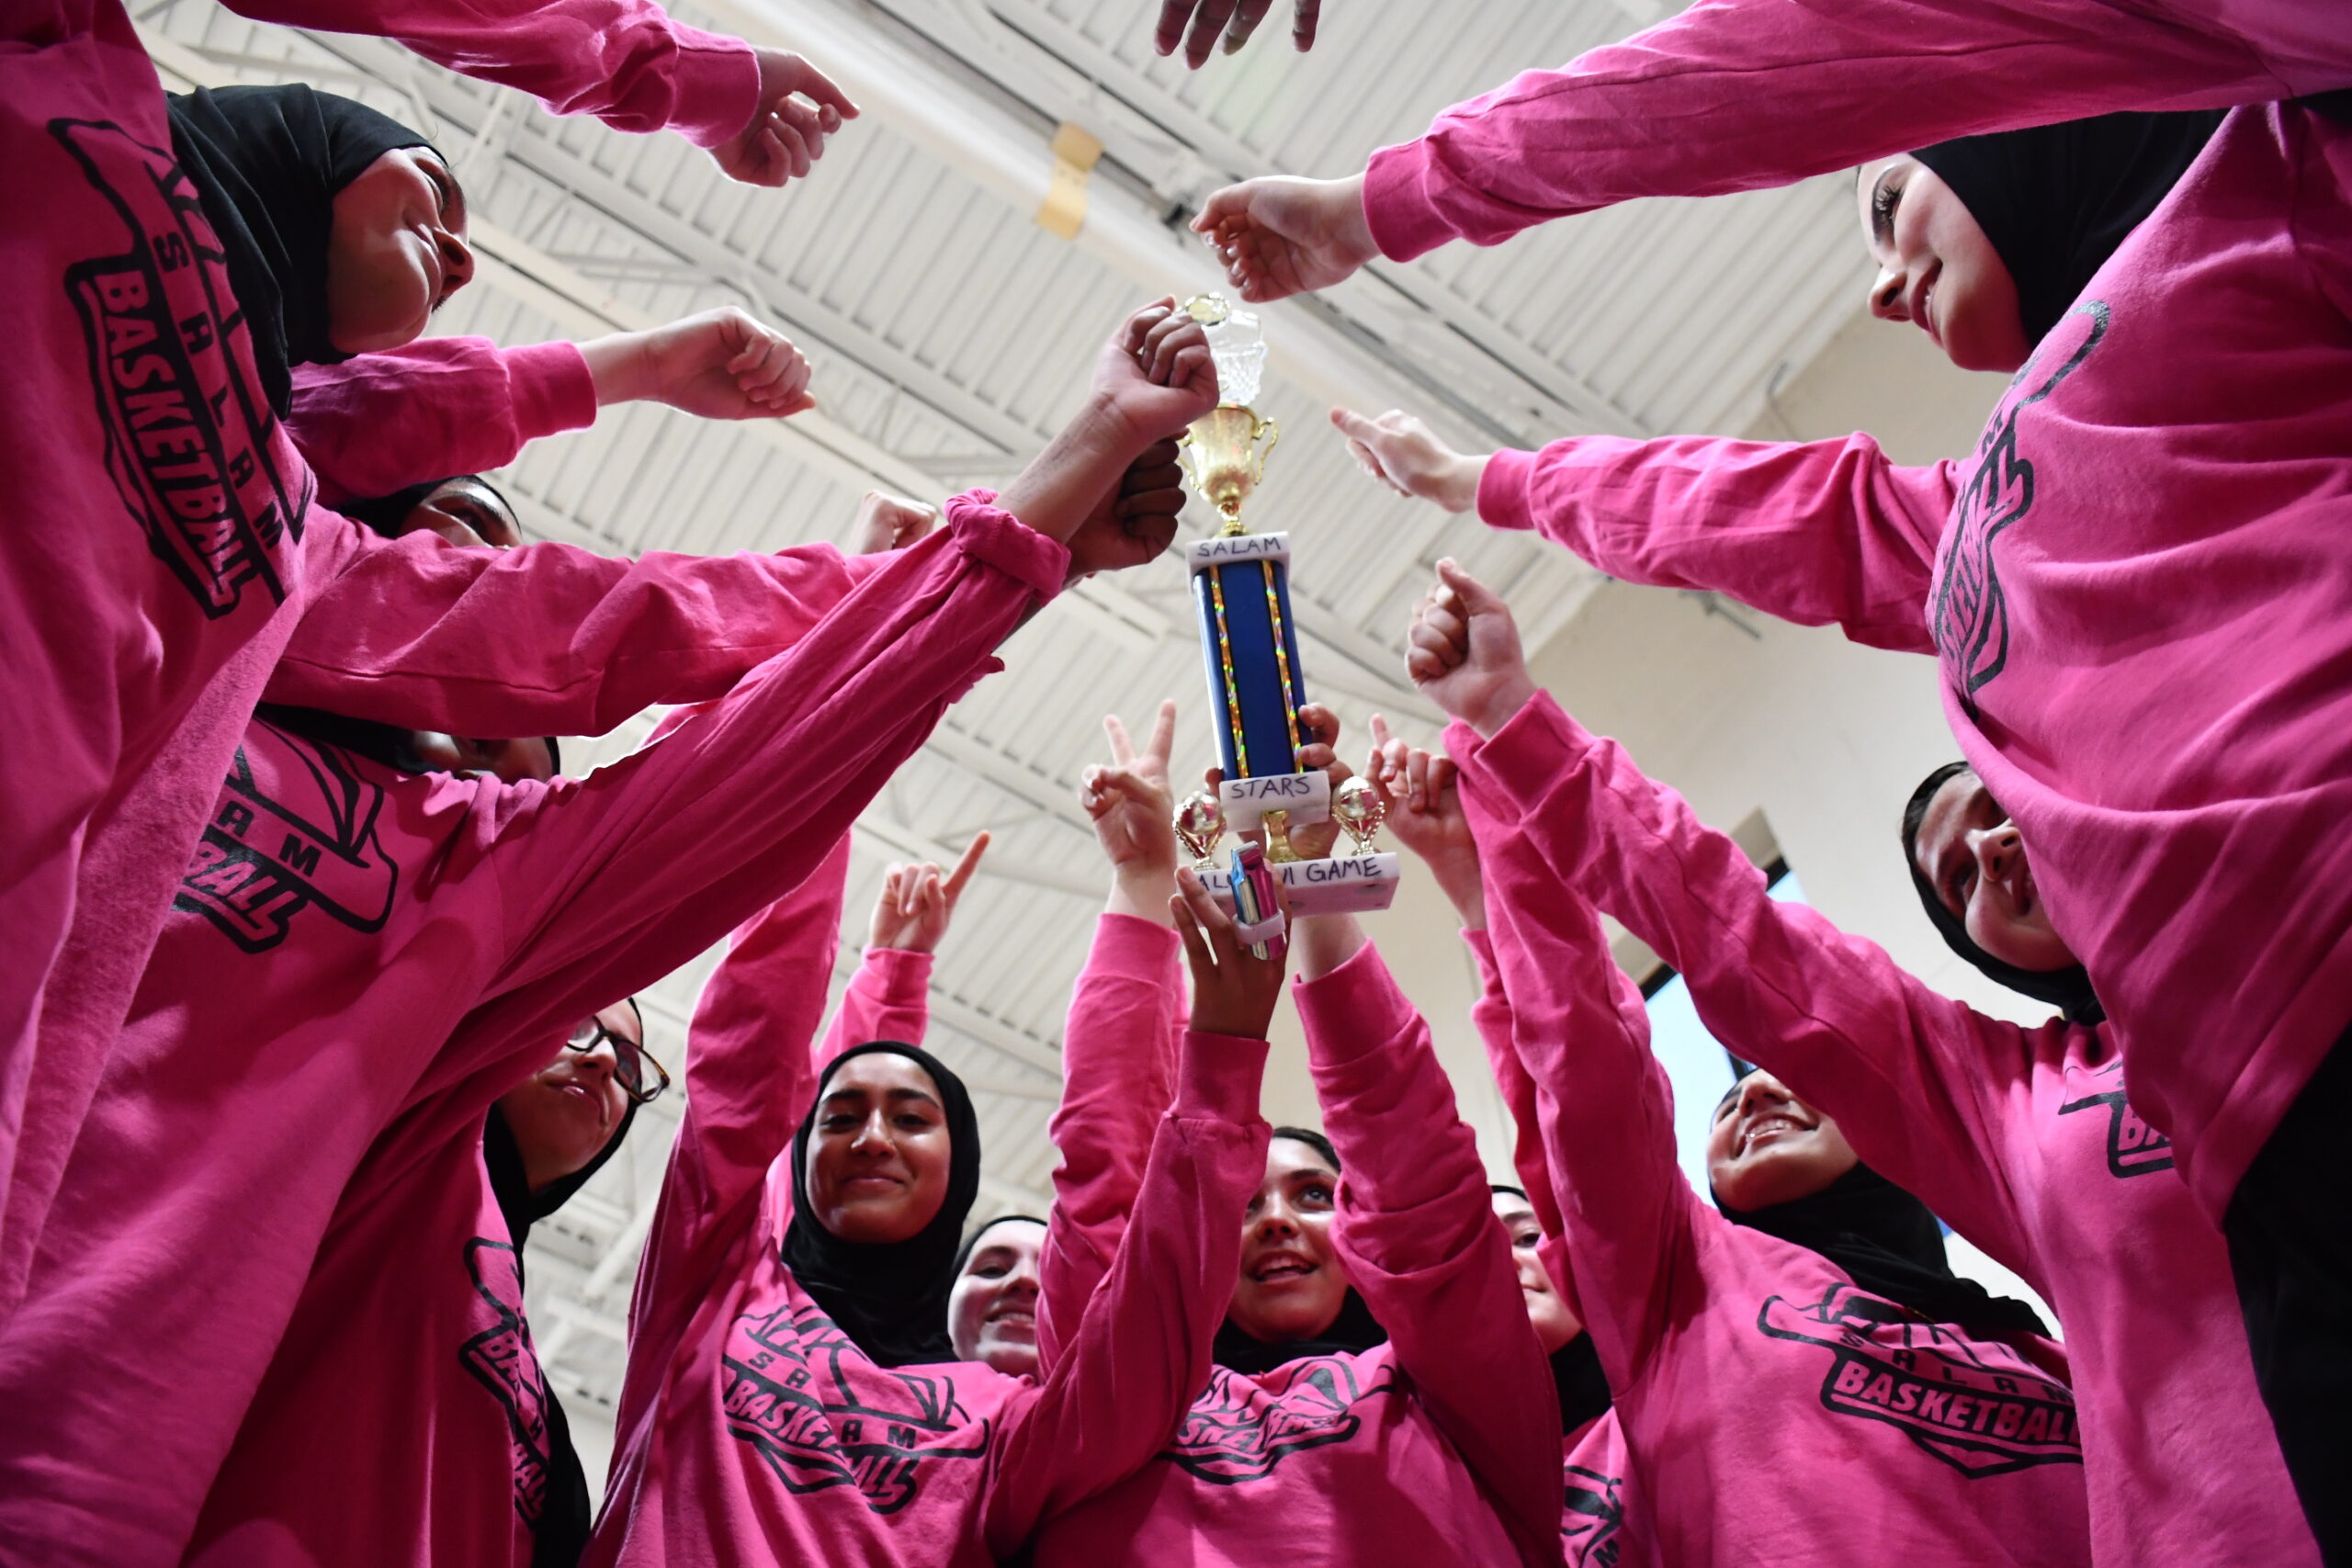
[1241, 587]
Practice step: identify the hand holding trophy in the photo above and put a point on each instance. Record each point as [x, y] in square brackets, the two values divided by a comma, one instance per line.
[1241, 589]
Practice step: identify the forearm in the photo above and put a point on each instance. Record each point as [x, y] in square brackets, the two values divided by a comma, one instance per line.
[437, 408]
[625, 62]
[1057, 489]
[1324, 943]
[1739, 95]
[1820, 532]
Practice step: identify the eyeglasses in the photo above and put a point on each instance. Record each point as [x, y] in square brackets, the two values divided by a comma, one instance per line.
[629, 1058]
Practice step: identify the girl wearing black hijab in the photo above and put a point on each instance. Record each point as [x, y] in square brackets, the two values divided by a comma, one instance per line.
[1881, 1107]
[159, 515]
[793, 1391]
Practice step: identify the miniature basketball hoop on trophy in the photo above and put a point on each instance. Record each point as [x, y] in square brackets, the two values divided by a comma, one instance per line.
[1241, 587]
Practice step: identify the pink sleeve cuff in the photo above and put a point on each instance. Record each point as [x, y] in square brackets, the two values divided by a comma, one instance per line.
[1217, 1077]
[718, 85]
[552, 388]
[989, 534]
[1529, 754]
[1354, 1011]
[901, 973]
[1503, 490]
[1403, 223]
[1482, 952]
[1131, 945]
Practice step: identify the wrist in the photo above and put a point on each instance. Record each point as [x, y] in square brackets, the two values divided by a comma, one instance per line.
[1498, 707]
[1465, 890]
[615, 365]
[1355, 223]
[1062, 483]
[1460, 491]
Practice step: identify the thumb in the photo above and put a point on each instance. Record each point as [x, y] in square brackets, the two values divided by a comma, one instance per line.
[1353, 425]
[1477, 598]
[1233, 201]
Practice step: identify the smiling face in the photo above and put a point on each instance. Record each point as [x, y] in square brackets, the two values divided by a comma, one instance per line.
[1291, 1286]
[396, 251]
[567, 1111]
[1555, 1322]
[1975, 858]
[1936, 269]
[1766, 1147]
[992, 1312]
[879, 1154]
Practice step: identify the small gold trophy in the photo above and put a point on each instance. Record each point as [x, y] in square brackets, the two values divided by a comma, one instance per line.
[1249, 639]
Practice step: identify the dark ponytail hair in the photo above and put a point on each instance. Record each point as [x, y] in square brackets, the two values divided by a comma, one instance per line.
[2068, 990]
[1313, 1140]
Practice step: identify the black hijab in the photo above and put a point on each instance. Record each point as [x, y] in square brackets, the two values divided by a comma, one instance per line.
[1352, 1330]
[2068, 990]
[267, 162]
[889, 1298]
[1889, 1244]
[563, 1534]
[2055, 200]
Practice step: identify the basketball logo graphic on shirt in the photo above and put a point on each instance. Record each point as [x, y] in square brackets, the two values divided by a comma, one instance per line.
[1593, 1522]
[1979, 1407]
[1240, 1428]
[822, 1415]
[500, 1359]
[1969, 616]
[262, 861]
[2133, 1148]
[187, 432]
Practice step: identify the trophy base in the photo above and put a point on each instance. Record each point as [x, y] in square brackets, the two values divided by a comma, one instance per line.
[1306, 796]
[1344, 884]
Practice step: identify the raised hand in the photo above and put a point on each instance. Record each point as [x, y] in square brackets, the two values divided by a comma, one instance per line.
[1237, 18]
[799, 106]
[1310, 840]
[1130, 802]
[1135, 523]
[1157, 371]
[1153, 377]
[1425, 813]
[1405, 454]
[1279, 236]
[721, 364]
[918, 904]
[1464, 651]
[1234, 992]
[889, 523]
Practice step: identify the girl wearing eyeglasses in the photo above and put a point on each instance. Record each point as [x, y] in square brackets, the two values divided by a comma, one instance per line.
[361, 961]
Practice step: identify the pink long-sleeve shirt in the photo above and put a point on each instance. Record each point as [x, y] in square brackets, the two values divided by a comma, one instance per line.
[419, 1276]
[2136, 590]
[751, 1428]
[1595, 1467]
[1737, 95]
[165, 519]
[1771, 1410]
[2021, 1139]
[351, 950]
[1428, 1448]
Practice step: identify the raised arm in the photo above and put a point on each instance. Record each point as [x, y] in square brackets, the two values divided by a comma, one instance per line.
[1820, 532]
[544, 639]
[1118, 1043]
[1418, 1233]
[1739, 95]
[376, 423]
[626, 61]
[1141, 1352]
[1920, 1084]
